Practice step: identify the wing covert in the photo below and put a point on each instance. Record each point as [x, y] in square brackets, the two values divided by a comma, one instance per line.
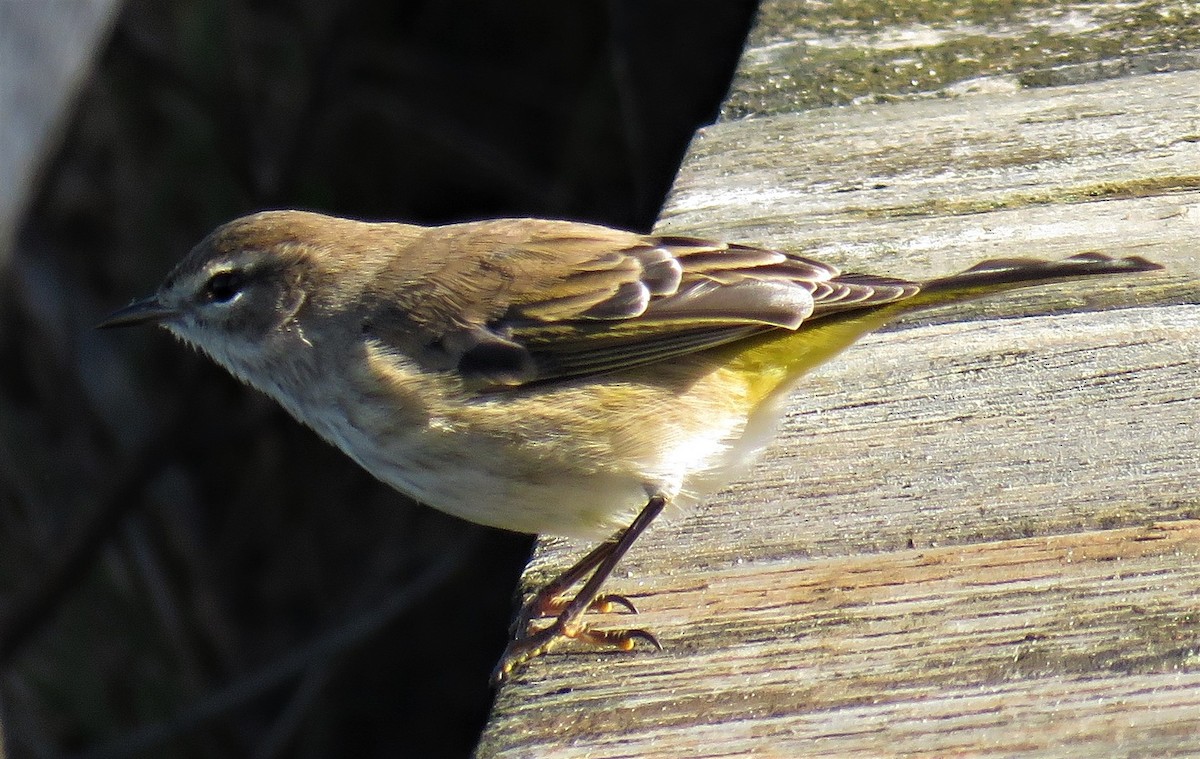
[580, 300]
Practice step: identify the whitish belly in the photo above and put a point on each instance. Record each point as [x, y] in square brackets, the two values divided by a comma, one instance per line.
[556, 483]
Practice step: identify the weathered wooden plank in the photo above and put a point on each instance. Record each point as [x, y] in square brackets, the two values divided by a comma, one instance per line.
[803, 55]
[926, 187]
[799, 612]
[1090, 637]
[1049, 424]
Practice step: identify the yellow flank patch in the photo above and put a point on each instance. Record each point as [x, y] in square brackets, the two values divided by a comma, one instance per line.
[773, 363]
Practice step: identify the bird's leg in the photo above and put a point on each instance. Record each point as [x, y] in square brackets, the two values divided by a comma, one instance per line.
[528, 643]
[550, 600]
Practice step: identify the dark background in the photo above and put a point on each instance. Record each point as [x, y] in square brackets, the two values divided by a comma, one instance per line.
[184, 570]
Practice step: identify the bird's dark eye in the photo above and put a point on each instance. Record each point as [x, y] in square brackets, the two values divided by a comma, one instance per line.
[223, 286]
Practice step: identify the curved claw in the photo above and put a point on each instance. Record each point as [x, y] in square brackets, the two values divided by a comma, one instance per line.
[606, 603]
[647, 636]
[622, 640]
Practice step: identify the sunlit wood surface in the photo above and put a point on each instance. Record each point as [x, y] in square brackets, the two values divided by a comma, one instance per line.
[979, 531]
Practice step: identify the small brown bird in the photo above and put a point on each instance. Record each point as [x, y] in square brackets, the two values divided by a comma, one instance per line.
[538, 376]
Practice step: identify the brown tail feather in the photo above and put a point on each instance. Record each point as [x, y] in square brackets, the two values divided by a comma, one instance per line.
[1018, 271]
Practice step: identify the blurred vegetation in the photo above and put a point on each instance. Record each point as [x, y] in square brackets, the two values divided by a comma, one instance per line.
[175, 552]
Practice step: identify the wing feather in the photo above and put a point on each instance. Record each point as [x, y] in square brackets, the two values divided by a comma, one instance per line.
[572, 300]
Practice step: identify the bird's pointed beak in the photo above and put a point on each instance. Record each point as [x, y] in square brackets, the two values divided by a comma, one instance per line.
[144, 311]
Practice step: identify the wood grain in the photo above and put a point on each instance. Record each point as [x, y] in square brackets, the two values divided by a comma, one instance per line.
[1089, 636]
[978, 531]
[924, 188]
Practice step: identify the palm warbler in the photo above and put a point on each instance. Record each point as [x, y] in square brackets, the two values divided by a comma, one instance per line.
[538, 376]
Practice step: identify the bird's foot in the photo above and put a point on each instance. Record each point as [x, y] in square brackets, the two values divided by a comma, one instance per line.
[534, 643]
